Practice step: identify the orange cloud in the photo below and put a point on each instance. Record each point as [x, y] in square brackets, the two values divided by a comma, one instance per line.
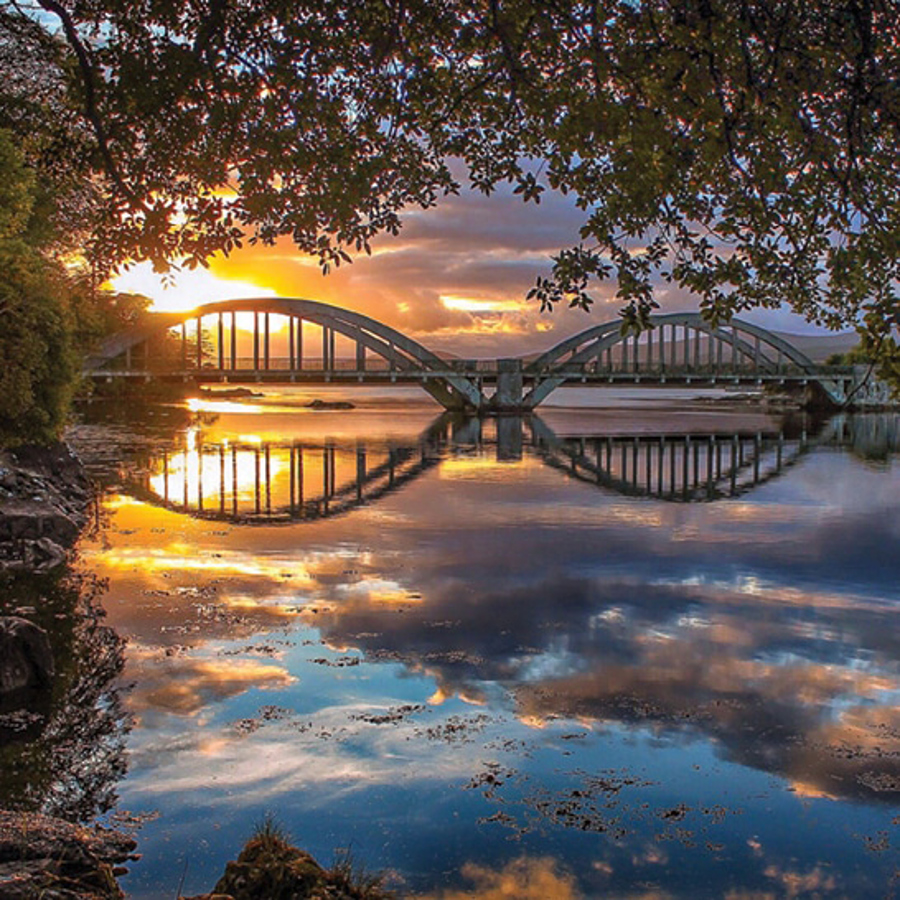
[185, 686]
[522, 879]
[458, 274]
[797, 884]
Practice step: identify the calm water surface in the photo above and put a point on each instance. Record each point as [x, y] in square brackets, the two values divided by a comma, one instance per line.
[646, 650]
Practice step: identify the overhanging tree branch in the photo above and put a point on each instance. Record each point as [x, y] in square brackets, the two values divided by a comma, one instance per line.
[90, 97]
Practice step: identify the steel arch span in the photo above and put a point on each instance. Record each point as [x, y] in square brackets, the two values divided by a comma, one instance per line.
[396, 355]
[677, 346]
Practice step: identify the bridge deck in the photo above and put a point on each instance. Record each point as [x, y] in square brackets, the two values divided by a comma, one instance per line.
[486, 376]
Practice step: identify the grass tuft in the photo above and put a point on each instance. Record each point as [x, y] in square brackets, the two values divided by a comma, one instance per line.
[355, 880]
[270, 832]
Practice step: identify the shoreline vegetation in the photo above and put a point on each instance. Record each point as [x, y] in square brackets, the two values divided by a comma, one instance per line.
[47, 857]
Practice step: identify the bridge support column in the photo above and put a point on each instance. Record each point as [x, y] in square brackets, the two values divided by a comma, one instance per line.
[467, 430]
[444, 395]
[509, 438]
[298, 347]
[509, 385]
[220, 342]
[255, 341]
[233, 341]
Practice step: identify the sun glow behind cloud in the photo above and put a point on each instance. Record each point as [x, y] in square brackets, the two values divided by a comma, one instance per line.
[185, 288]
[456, 278]
[477, 304]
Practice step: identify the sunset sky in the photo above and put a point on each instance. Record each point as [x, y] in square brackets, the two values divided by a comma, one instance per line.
[455, 278]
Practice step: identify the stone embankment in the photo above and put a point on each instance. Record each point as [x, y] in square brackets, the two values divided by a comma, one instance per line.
[44, 500]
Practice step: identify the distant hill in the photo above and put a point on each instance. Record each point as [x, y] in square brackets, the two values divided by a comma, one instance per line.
[818, 347]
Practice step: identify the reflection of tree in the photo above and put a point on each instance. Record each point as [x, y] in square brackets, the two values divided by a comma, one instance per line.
[64, 754]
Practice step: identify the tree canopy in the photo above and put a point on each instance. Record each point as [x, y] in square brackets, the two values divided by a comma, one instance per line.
[37, 366]
[746, 150]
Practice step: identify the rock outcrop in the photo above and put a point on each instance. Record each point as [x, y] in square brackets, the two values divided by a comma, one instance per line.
[330, 404]
[26, 660]
[271, 868]
[44, 497]
[41, 856]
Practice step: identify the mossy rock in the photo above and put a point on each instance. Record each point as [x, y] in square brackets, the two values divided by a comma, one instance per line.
[271, 868]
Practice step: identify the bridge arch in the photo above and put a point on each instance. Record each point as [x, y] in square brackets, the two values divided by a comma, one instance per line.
[697, 467]
[402, 354]
[275, 483]
[679, 345]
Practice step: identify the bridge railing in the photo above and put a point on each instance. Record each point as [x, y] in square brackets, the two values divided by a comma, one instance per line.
[249, 364]
[473, 366]
[703, 370]
[139, 362]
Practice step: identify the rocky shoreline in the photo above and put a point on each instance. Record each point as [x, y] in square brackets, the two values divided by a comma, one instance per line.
[41, 856]
[45, 496]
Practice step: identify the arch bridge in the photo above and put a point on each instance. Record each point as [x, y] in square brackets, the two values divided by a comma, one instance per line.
[281, 339]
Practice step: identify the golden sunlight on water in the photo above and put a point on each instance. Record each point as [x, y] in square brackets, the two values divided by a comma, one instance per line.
[519, 639]
[232, 478]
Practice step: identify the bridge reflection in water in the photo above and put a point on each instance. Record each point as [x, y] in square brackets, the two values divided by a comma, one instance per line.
[280, 482]
[272, 482]
[685, 468]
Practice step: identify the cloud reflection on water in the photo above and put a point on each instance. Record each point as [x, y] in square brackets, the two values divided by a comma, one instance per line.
[762, 628]
[525, 878]
[554, 613]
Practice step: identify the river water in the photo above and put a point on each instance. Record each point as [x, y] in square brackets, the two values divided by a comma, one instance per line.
[648, 649]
